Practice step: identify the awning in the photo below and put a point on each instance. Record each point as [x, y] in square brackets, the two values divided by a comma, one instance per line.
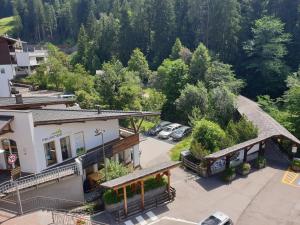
[140, 174]
[5, 122]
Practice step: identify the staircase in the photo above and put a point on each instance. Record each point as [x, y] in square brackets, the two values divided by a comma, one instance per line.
[37, 179]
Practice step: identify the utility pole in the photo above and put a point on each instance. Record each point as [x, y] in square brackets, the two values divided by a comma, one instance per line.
[97, 133]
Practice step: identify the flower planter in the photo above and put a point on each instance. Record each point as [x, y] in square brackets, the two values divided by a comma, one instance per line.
[148, 195]
[244, 172]
[230, 178]
[296, 168]
[260, 165]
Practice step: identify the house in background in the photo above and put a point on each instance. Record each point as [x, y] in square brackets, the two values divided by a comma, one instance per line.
[16, 60]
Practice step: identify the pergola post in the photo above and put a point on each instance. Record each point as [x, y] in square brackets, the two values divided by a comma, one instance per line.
[209, 163]
[169, 182]
[142, 194]
[125, 200]
[227, 162]
[245, 155]
[261, 149]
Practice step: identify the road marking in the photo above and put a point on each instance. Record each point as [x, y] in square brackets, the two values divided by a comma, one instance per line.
[141, 220]
[289, 177]
[152, 216]
[129, 222]
[172, 219]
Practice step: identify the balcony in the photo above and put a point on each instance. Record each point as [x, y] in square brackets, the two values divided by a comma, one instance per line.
[127, 140]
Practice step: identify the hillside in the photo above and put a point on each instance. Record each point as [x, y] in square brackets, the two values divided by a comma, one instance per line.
[6, 25]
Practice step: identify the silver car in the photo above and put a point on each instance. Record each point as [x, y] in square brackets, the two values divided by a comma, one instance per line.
[218, 218]
[168, 130]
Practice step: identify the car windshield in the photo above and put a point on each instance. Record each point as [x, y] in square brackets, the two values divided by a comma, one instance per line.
[168, 129]
[211, 221]
[179, 131]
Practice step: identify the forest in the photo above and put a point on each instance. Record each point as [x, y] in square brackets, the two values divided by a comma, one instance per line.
[186, 57]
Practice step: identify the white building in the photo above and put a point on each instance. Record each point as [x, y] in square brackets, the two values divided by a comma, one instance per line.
[16, 59]
[43, 137]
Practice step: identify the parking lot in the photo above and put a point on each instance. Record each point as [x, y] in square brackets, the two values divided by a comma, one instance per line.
[261, 198]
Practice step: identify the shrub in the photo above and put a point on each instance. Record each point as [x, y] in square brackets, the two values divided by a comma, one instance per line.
[207, 137]
[261, 162]
[229, 174]
[115, 170]
[246, 167]
[296, 162]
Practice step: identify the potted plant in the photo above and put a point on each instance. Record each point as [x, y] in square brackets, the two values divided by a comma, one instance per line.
[260, 162]
[229, 174]
[80, 222]
[202, 169]
[296, 164]
[245, 169]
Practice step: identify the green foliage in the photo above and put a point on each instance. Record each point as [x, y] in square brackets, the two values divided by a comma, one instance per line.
[111, 197]
[138, 63]
[296, 162]
[241, 131]
[200, 63]
[229, 174]
[246, 167]
[193, 96]
[266, 52]
[176, 50]
[222, 105]
[183, 145]
[220, 74]
[7, 25]
[153, 100]
[115, 170]
[207, 137]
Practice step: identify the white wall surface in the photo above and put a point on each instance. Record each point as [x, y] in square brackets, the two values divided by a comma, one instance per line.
[44, 134]
[23, 136]
[23, 59]
[8, 74]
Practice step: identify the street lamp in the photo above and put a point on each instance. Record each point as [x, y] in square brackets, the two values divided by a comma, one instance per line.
[97, 133]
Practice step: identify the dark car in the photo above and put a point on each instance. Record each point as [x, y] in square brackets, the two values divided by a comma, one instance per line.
[180, 133]
[158, 128]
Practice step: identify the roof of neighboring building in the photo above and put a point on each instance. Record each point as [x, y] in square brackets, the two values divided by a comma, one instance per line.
[11, 39]
[57, 116]
[4, 122]
[140, 174]
[32, 102]
[267, 127]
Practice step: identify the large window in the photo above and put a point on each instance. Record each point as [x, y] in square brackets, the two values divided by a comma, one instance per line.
[65, 148]
[79, 143]
[50, 152]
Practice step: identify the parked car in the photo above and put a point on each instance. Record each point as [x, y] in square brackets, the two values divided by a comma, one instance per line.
[158, 128]
[218, 218]
[167, 131]
[180, 133]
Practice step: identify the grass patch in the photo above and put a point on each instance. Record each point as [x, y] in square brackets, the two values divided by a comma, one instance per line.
[146, 125]
[6, 25]
[179, 147]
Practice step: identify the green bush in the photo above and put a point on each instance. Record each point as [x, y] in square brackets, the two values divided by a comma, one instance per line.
[261, 162]
[246, 167]
[296, 162]
[207, 137]
[229, 173]
[179, 147]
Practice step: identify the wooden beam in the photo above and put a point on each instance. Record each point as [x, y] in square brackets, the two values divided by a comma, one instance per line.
[142, 194]
[169, 182]
[133, 125]
[125, 200]
[139, 126]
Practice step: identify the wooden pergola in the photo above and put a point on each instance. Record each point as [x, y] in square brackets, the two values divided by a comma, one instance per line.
[138, 177]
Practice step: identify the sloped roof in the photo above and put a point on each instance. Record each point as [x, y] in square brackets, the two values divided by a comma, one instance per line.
[267, 127]
[55, 116]
[140, 174]
[31, 102]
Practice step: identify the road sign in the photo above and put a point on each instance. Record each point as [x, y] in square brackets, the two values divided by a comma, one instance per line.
[12, 159]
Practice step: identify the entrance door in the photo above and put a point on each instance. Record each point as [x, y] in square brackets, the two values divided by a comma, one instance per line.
[10, 146]
[79, 143]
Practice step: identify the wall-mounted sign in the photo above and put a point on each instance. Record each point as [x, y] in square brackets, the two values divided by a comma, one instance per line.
[294, 149]
[12, 158]
[53, 135]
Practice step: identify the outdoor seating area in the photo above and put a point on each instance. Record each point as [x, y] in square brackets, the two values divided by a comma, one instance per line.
[140, 190]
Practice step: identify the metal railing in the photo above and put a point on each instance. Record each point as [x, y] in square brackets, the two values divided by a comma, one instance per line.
[39, 203]
[39, 178]
[60, 218]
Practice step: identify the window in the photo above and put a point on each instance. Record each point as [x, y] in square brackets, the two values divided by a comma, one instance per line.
[2, 70]
[79, 143]
[50, 153]
[65, 148]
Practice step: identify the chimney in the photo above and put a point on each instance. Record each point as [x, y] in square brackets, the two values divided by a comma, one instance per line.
[98, 109]
[19, 99]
